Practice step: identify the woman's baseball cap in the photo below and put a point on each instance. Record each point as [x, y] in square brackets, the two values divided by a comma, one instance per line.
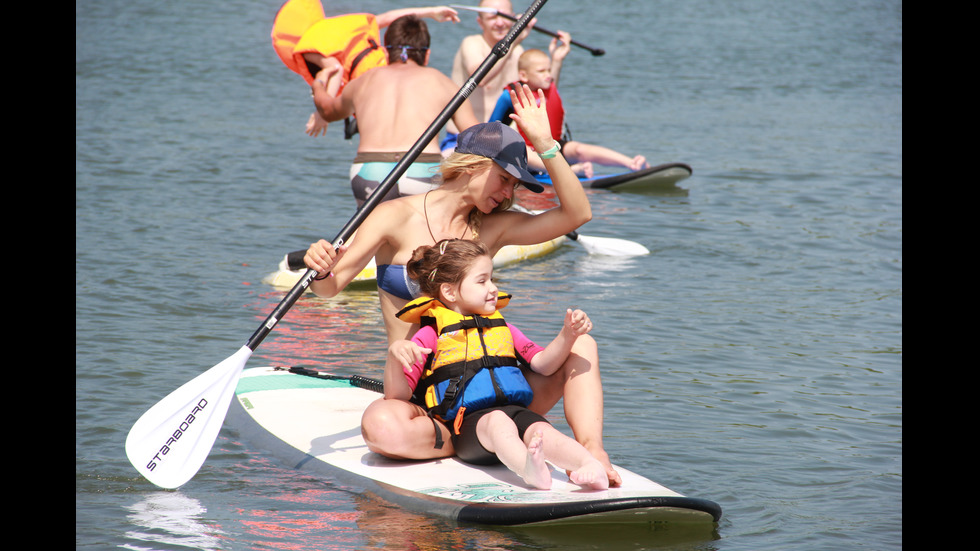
[504, 145]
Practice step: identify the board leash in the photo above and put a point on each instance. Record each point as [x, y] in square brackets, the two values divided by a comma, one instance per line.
[359, 381]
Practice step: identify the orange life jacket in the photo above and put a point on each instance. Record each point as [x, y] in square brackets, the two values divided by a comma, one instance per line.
[354, 40]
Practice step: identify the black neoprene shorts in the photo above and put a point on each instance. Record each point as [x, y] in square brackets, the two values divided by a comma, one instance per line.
[467, 444]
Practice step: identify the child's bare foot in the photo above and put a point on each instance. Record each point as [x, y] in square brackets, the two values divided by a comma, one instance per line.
[536, 471]
[583, 169]
[639, 162]
[592, 476]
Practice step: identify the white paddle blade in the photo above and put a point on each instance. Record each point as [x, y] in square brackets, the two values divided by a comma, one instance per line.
[611, 246]
[170, 442]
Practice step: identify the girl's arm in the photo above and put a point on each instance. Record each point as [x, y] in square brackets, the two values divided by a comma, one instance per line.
[406, 359]
[329, 105]
[548, 361]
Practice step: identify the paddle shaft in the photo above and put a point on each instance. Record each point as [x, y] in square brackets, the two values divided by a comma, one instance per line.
[594, 51]
[499, 51]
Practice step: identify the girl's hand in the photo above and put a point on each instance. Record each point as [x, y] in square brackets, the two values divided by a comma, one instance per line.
[330, 68]
[577, 322]
[316, 125]
[407, 353]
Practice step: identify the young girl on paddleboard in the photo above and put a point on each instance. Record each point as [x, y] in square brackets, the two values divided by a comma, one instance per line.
[462, 365]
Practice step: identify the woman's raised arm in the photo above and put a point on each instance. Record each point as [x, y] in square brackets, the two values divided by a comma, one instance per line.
[573, 209]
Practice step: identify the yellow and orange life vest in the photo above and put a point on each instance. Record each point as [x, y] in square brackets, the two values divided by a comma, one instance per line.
[354, 40]
[474, 364]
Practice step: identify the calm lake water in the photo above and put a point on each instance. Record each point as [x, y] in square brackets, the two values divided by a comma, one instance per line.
[753, 359]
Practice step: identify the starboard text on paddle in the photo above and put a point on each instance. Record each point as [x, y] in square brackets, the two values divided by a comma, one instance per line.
[181, 429]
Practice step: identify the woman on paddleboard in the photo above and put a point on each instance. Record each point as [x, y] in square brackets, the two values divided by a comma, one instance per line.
[479, 181]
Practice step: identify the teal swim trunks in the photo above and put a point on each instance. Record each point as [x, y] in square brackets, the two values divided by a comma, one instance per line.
[370, 169]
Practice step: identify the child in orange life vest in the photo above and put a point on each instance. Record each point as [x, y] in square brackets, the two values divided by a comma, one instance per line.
[335, 50]
[455, 275]
[540, 71]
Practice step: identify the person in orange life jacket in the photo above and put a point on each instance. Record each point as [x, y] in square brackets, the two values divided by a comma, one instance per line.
[463, 334]
[394, 105]
[539, 71]
[336, 50]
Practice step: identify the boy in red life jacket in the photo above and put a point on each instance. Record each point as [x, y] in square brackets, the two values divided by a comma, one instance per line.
[540, 71]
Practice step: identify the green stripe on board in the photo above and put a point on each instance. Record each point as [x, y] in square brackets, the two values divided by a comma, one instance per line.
[286, 382]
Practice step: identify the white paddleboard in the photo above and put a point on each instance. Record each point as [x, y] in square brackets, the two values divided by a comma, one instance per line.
[313, 422]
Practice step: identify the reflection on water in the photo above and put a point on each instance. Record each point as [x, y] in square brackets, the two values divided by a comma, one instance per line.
[332, 334]
[171, 519]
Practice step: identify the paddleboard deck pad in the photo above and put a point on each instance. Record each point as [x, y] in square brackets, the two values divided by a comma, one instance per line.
[311, 420]
[653, 178]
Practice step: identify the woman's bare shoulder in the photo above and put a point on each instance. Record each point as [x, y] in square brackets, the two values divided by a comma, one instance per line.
[503, 228]
[392, 217]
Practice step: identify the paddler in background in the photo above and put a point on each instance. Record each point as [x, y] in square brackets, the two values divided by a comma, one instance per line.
[394, 107]
[471, 53]
[395, 104]
[347, 46]
[540, 71]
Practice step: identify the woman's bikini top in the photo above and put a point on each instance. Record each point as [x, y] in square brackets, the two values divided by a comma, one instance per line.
[393, 279]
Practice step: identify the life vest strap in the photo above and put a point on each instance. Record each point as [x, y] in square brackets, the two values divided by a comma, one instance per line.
[473, 323]
[457, 369]
[439, 441]
[373, 46]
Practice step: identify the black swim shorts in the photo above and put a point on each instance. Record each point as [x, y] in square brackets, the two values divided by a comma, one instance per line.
[467, 444]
